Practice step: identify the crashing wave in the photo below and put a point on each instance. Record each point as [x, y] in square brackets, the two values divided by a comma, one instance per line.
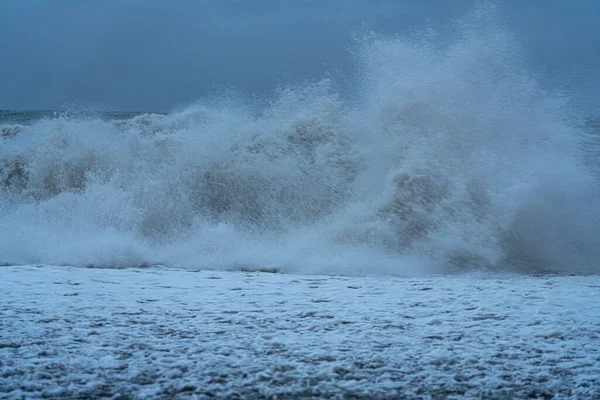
[451, 158]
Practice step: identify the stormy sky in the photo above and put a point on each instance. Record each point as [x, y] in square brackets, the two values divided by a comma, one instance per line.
[154, 55]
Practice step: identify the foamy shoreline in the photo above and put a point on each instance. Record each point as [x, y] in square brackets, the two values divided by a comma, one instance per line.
[160, 333]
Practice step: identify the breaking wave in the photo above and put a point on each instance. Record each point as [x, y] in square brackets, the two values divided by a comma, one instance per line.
[452, 157]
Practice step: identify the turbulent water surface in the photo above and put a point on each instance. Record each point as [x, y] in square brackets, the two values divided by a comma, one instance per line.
[172, 334]
[449, 157]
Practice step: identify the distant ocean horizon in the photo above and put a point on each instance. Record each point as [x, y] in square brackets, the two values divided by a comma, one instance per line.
[27, 117]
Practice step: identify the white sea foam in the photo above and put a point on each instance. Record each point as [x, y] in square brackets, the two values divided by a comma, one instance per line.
[452, 156]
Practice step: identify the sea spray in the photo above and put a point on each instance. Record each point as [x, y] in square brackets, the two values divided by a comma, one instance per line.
[451, 157]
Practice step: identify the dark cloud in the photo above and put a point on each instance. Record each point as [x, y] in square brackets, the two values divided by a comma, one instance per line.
[154, 55]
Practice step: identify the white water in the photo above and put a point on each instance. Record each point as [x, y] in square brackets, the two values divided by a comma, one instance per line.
[452, 157]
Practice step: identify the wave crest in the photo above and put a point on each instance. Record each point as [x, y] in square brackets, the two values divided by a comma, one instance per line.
[451, 157]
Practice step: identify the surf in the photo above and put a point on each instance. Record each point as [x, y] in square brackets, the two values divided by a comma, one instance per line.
[450, 156]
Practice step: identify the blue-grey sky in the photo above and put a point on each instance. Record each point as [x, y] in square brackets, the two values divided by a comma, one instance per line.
[158, 54]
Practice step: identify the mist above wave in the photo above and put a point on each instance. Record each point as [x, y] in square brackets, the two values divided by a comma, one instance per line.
[451, 158]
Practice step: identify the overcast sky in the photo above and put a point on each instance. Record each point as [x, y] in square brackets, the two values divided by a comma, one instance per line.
[154, 55]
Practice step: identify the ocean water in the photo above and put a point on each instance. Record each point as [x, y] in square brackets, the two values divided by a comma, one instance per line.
[451, 156]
